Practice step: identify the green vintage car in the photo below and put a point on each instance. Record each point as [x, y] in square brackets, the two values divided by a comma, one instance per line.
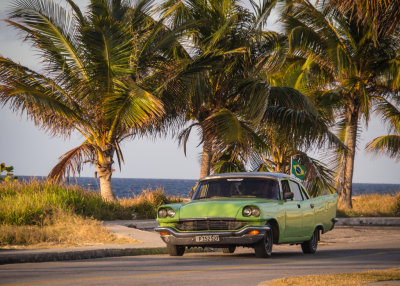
[253, 210]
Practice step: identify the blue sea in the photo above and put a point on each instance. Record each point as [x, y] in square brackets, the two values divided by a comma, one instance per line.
[125, 187]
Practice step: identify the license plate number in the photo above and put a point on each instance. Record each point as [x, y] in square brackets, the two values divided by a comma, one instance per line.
[207, 238]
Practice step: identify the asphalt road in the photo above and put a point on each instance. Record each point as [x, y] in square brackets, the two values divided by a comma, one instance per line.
[347, 250]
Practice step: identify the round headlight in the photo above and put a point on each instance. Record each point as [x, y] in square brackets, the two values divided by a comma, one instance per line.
[171, 213]
[246, 211]
[255, 211]
[162, 213]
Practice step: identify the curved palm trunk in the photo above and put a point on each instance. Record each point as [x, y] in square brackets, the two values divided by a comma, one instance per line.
[206, 157]
[104, 172]
[348, 170]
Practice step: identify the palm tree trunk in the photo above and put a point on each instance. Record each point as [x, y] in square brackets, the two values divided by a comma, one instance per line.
[206, 157]
[104, 172]
[351, 135]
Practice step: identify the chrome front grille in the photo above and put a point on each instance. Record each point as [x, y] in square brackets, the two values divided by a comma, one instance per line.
[207, 224]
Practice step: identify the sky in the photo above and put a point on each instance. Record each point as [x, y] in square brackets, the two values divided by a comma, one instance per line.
[33, 152]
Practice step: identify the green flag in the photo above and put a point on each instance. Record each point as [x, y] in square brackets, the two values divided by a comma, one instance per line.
[298, 170]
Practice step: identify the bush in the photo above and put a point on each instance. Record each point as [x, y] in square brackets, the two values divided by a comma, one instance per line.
[145, 205]
[39, 214]
[373, 205]
[61, 228]
[30, 203]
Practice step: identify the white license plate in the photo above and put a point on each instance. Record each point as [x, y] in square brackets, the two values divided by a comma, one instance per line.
[207, 238]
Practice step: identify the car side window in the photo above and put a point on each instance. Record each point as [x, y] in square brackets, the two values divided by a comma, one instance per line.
[296, 191]
[285, 187]
[304, 193]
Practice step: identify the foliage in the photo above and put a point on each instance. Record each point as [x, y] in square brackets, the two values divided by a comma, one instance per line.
[227, 99]
[344, 69]
[93, 78]
[146, 203]
[384, 14]
[388, 144]
[373, 205]
[58, 230]
[35, 202]
[9, 176]
[31, 203]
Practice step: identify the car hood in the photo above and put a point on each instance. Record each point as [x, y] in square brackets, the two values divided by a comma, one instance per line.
[217, 207]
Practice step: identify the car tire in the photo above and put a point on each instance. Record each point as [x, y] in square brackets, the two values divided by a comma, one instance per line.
[263, 248]
[310, 246]
[175, 250]
[230, 249]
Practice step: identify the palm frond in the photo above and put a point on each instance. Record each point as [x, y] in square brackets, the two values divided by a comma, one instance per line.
[53, 31]
[132, 108]
[386, 145]
[71, 162]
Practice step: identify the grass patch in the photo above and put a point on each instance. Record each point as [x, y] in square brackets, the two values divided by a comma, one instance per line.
[62, 229]
[30, 203]
[359, 278]
[45, 214]
[373, 205]
[145, 205]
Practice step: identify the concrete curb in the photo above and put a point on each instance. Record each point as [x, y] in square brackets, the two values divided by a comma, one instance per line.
[77, 255]
[372, 221]
[55, 255]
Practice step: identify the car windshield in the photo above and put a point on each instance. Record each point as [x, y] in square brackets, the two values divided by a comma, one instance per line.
[238, 187]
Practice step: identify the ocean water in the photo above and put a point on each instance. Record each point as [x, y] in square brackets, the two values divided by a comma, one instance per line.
[126, 187]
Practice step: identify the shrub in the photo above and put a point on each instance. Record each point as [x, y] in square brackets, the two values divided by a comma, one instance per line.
[29, 203]
[373, 205]
[61, 228]
[145, 204]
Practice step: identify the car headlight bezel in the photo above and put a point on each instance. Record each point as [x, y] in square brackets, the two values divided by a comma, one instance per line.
[162, 213]
[249, 211]
[166, 212]
[171, 212]
[255, 212]
[246, 211]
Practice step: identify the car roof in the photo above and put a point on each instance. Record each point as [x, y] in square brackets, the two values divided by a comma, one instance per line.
[248, 175]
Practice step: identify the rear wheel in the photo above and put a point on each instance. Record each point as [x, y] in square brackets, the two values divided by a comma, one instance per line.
[175, 250]
[310, 246]
[230, 249]
[263, 248]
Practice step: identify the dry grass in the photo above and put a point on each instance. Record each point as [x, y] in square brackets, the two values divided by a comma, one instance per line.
[373, 205]
[344, 279]
[62, 229]
[29, 203]
[44, 214]
[145, 204]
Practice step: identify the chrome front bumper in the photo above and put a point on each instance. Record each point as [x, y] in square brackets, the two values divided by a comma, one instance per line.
[226, 238]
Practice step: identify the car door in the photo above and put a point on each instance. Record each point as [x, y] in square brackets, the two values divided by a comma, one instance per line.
[293, 214]
[308, 210]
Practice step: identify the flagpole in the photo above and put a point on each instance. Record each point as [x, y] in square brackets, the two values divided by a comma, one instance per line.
[291, 163]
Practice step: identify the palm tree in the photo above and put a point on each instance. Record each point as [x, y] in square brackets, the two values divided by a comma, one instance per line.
[277, 154]
[345, 67]
[384, 14]
[95, 67]
[227, 97]
[388, 144]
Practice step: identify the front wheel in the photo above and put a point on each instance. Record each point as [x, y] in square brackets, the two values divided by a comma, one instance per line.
[310, 246]
[175, 250]
[263, 248]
